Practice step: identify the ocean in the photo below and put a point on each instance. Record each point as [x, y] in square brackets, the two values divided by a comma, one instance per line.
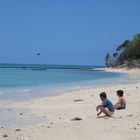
[20, 81]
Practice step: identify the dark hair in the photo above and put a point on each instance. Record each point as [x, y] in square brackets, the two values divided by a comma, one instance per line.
[103, 94]
[120, 93]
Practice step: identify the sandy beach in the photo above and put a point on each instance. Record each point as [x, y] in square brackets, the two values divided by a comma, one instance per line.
[50, 118]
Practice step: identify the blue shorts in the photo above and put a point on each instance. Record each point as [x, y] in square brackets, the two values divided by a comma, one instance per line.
[122, 107]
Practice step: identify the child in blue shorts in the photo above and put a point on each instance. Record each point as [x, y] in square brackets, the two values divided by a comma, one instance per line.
[121, 104]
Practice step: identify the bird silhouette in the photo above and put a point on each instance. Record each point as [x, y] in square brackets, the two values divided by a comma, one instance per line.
[38, 54]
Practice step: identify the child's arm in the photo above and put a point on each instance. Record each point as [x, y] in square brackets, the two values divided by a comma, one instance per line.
[117, 103]
[99, 113]
[97, 108]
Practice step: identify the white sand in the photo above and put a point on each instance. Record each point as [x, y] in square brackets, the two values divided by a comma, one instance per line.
[54, 116]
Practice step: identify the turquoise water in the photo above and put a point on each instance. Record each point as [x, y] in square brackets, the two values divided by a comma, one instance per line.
[33, 76]
[20, 79]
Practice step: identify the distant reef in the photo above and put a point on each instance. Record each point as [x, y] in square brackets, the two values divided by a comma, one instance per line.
[41, 67]
[127, 54]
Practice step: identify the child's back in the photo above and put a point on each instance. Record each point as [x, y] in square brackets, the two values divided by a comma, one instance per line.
[108, 104]
[122, 101]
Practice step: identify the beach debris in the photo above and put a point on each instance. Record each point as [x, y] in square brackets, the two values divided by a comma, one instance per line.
[134, 128]
[48, 127]
[9, 109]
[21, 113]
[76, 119]
[130, 115]
[18, 130]
[136, 87]
[51, 123]
[138, 123]
[120, 116]
[5, 135]
[2, 127]
[60, 118]
[78, 100]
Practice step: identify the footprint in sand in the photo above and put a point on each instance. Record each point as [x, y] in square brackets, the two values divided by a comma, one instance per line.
[78, 100]
[130, 115]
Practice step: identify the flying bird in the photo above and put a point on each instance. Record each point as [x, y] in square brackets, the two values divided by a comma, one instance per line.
[38, 54]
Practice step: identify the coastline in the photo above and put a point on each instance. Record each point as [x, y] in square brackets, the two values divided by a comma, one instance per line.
[50, 117]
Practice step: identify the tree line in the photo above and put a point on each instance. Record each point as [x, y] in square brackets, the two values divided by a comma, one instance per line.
[126, 55]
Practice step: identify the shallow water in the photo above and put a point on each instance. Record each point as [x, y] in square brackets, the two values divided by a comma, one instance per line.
[29, 83]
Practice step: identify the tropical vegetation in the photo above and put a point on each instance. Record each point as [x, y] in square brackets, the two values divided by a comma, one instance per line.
[126, 55]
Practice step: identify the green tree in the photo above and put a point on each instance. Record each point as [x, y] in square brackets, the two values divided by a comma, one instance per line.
[127, 53]
[107, 59]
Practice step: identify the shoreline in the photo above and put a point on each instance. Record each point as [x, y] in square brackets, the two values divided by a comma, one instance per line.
[50, 117]
[65, 87]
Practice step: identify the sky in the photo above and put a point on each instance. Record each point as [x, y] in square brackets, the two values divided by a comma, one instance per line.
[74, 32]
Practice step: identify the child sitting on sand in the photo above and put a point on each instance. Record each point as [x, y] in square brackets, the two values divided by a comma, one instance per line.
[106, 107]
[121, 104]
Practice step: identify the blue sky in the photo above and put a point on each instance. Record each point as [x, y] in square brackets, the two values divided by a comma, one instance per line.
[65, 31]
